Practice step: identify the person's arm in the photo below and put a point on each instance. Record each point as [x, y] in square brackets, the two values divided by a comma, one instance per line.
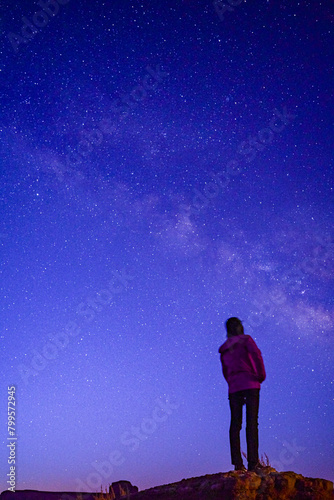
[258, 360]
[223, 367]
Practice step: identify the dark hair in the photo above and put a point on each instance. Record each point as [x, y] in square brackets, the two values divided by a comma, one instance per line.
[234, 327]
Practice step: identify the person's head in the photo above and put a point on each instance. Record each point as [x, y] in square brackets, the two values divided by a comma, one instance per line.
[234, 327]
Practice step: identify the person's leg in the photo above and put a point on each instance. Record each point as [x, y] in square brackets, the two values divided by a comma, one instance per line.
[236, 402]
[252, 432]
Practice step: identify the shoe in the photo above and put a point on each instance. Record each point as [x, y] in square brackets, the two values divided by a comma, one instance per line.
[255, 467]
[241, 468]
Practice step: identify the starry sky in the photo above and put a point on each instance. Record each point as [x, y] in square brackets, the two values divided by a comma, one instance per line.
[164, 166]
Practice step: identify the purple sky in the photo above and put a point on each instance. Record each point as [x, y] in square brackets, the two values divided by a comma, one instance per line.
[164, 167]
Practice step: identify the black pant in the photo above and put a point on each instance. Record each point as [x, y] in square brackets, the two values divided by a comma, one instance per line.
[251, 398]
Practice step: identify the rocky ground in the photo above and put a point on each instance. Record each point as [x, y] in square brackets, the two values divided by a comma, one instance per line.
[267, 484]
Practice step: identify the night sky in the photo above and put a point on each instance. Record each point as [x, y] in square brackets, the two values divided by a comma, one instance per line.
[164, 166]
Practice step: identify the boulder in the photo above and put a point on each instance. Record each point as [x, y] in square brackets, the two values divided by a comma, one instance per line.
[118, 489]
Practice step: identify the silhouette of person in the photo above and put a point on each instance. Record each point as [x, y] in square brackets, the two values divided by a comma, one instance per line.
[244, 372]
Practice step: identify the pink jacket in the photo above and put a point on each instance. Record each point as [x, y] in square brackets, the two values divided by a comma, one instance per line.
[242, 363]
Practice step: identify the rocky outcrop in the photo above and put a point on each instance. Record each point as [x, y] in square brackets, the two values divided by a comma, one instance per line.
[121, 489]
[267, 484]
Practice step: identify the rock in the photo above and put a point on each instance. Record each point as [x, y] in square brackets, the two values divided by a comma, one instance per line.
[267, 484]
[119, 489]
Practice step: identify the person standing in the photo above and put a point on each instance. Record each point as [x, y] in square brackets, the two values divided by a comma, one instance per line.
[244, 371]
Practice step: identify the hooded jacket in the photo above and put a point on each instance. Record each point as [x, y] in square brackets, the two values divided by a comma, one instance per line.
[242, 363]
